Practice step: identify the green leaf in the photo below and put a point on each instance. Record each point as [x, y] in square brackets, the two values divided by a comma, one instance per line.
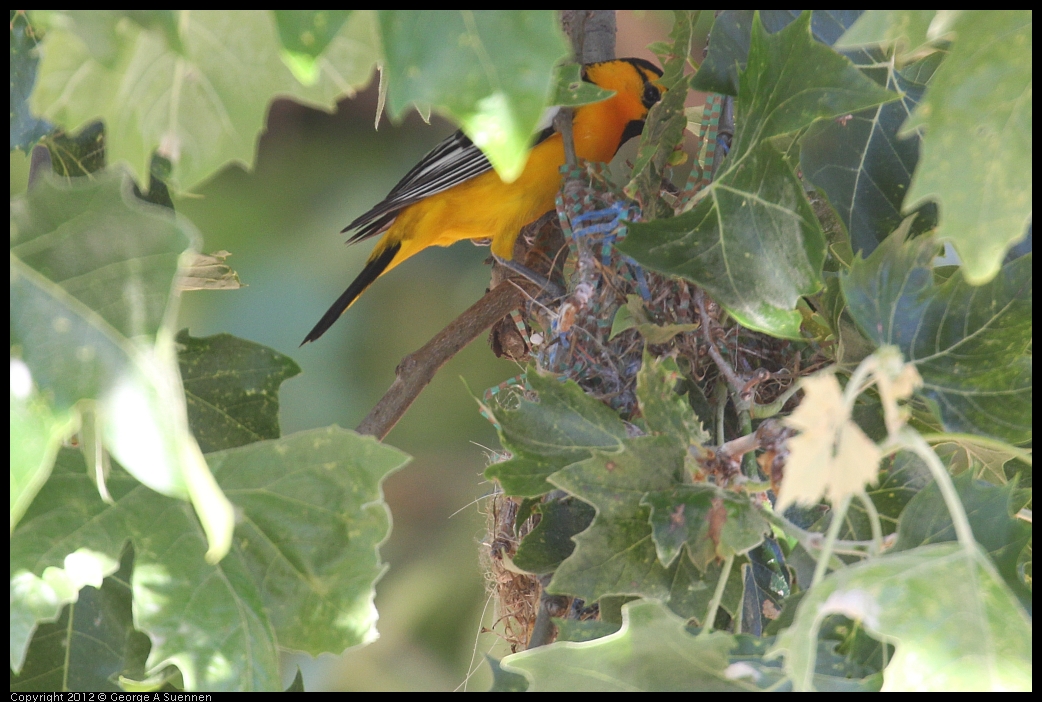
[984, 459]
[652, 651]
[730, 39]
[926, 520]
[691, 588]
[565, 421]
[585, 630]
[713, 523]
[503, 681]
[92, 301]
[550, 542]
[232, 389]
[792, 80]
[310, 534]
[300, 574]
[570, 90]
[616, 555]
[525, 477]
[305, 34]
[834, 672]
[89, 646]
[898, 484]
[26, 129]
[864, 168]
[49, 565]
[548, 435]
[753, 242]
[910, 30]
[978, 111]
[664, 410]
[37, 432]
[633, 316]
[490, 71]
[200, 100]
[968, 635]
[971, 345]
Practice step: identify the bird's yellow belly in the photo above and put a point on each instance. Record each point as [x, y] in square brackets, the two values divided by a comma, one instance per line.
[482, 208]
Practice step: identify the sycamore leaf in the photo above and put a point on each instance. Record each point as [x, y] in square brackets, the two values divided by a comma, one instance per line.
[898, 483]
[910, 30]
[729, 47]
[656, 651]
[664, 410]
[37, 432]
[550, 542]
[971, 345]
[92, 305]
[927, 520]
[859, 161]
[753, 241]
[545, 436]
[982, 458]
[491, 72]
[200, 95]
[831, 457]
[91, 645]
[653, 651]
[300, 574]
[617, 555]
[305, 34]
[978, 110]
[232, 389]
[503, 681]
[969, 634]
[712, 523]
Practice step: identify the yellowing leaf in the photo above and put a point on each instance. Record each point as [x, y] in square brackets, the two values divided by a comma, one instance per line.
[831, 457]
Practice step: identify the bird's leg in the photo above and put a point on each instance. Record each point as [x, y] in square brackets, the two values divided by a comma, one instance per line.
[525, 272]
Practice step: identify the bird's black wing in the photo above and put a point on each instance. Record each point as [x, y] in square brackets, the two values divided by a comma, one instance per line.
[455, 160]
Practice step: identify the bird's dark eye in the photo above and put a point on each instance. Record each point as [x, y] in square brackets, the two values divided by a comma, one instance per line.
[651, 95]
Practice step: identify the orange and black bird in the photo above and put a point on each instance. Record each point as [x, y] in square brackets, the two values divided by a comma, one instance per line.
[453, 194]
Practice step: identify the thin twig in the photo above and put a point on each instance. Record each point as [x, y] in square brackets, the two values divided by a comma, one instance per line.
[732, 378]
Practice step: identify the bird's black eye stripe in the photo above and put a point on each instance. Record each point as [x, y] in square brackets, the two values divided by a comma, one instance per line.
[651, 95]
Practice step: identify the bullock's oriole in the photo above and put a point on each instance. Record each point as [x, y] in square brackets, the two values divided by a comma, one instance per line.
[453, 193]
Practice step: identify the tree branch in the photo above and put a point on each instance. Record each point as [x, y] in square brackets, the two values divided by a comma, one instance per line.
[417, 369]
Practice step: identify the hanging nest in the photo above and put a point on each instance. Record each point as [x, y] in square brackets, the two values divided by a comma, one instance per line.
[572, 337]
[514, 593]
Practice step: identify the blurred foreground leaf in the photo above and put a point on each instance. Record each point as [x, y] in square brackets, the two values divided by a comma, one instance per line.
[968, 635]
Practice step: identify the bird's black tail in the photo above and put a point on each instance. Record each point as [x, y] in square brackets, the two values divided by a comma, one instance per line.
[371, 272]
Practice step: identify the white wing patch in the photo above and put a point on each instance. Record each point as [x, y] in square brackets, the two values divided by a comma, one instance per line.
[455, 160]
